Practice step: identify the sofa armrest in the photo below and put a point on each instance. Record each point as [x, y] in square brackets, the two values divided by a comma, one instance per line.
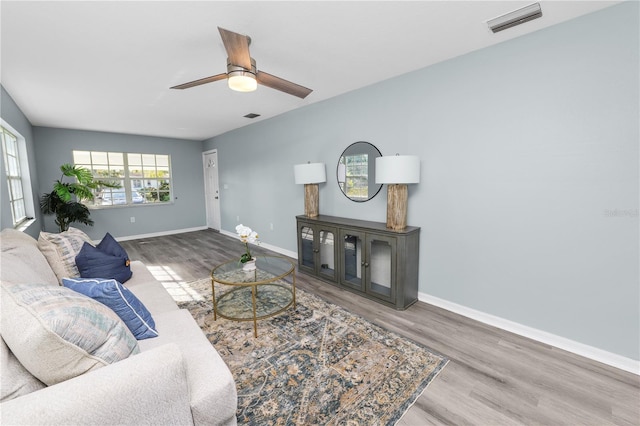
[149, 388]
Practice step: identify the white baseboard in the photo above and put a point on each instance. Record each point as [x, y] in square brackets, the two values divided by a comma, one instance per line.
[605, 357]
[160, 234]
[277, 249]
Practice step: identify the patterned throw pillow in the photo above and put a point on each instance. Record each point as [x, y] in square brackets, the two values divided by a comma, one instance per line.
[57, 333]
[61, 250]
[120, 299]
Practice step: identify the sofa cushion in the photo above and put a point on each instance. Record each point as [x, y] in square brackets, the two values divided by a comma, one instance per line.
[212, 389]
[57, 333]
[21, 261]
[61, 250]
[16, 380]
[146, 389]
[145, 285]
[124, 303]
[94, 262]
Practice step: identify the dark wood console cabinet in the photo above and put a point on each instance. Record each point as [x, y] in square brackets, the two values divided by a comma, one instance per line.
[361, 256]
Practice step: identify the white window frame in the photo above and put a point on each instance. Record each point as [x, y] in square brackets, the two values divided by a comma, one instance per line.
[19, 183]
[125, 178]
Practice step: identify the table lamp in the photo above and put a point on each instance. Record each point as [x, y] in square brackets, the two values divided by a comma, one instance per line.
[310, 174]
[397, 171]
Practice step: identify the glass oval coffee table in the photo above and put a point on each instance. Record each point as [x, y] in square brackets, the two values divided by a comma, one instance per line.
[253, 295]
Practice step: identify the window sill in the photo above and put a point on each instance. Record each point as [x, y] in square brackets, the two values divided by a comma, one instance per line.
[24, 225]
[124, 206]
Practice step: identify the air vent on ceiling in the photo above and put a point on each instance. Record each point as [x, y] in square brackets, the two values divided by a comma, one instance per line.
[514, 18]
[252, 115]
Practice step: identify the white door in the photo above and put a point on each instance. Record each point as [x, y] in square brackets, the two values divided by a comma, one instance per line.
[211, 189]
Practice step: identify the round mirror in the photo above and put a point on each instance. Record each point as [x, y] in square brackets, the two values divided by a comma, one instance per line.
[356, 171]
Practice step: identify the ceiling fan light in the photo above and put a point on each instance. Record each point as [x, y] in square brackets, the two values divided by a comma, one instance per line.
[242, 81]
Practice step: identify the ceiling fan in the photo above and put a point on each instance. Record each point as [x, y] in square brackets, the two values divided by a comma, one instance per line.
[242, 74]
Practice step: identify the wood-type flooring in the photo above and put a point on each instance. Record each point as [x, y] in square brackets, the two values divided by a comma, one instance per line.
[493, 377]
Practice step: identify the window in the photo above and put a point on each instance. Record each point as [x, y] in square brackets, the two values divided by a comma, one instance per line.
[14, 176]
[143, 178]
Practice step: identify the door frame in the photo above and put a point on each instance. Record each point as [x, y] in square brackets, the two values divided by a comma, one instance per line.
[215, 201]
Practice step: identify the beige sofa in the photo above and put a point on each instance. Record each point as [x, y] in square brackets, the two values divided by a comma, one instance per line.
[176, 378]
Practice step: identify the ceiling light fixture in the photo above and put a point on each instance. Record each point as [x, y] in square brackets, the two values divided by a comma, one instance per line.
[517, 17]
[241, 79]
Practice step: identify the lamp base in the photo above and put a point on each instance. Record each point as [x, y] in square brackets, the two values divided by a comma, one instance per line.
[311, 199]
[397, 195]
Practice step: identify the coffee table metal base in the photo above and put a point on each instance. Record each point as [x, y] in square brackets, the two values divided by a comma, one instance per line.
[254, 303]
[253, 299]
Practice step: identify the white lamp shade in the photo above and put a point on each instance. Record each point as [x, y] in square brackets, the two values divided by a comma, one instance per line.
[310, 173]
[242, 81]
[398, 169]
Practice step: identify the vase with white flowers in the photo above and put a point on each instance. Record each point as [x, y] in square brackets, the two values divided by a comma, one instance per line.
[247, 236]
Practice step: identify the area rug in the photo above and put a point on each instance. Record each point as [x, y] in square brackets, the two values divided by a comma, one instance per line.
[316, 364]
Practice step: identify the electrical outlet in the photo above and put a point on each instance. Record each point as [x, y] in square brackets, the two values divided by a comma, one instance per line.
[133, 219]
[238, 219]
[271, 226]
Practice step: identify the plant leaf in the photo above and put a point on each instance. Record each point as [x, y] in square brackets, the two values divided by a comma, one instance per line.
[63, 191]
[82, 192]
[50, 202]
[75, 212]
[83, 175]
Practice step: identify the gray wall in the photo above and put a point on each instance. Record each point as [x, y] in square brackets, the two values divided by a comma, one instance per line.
[11, 113]
[528, 202]
[54, 147]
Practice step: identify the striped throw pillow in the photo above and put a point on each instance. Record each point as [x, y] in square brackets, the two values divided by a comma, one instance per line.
[61, 251]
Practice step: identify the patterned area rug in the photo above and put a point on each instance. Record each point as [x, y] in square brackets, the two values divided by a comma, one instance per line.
[314, 365]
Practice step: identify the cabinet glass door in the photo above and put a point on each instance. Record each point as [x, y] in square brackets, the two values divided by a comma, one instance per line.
[381, 267]
[306, 247]
[327, 249]
[352, 261]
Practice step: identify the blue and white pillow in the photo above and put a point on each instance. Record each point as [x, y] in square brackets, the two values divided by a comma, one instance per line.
[120, 299]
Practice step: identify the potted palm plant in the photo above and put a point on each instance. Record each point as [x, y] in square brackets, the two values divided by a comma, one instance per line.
[65, 201]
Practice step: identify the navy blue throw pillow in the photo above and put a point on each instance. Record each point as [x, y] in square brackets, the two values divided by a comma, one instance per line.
[110, 246]
[108, 260]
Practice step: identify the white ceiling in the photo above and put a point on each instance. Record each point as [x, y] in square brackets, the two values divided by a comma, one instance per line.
[108, 66]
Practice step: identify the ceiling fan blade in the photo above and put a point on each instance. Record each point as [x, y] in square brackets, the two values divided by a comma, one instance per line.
[283, 85]
[200, 81]
[237, 46]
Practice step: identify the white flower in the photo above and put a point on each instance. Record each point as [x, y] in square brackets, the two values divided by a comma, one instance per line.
[246, 234]
[253, 237]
